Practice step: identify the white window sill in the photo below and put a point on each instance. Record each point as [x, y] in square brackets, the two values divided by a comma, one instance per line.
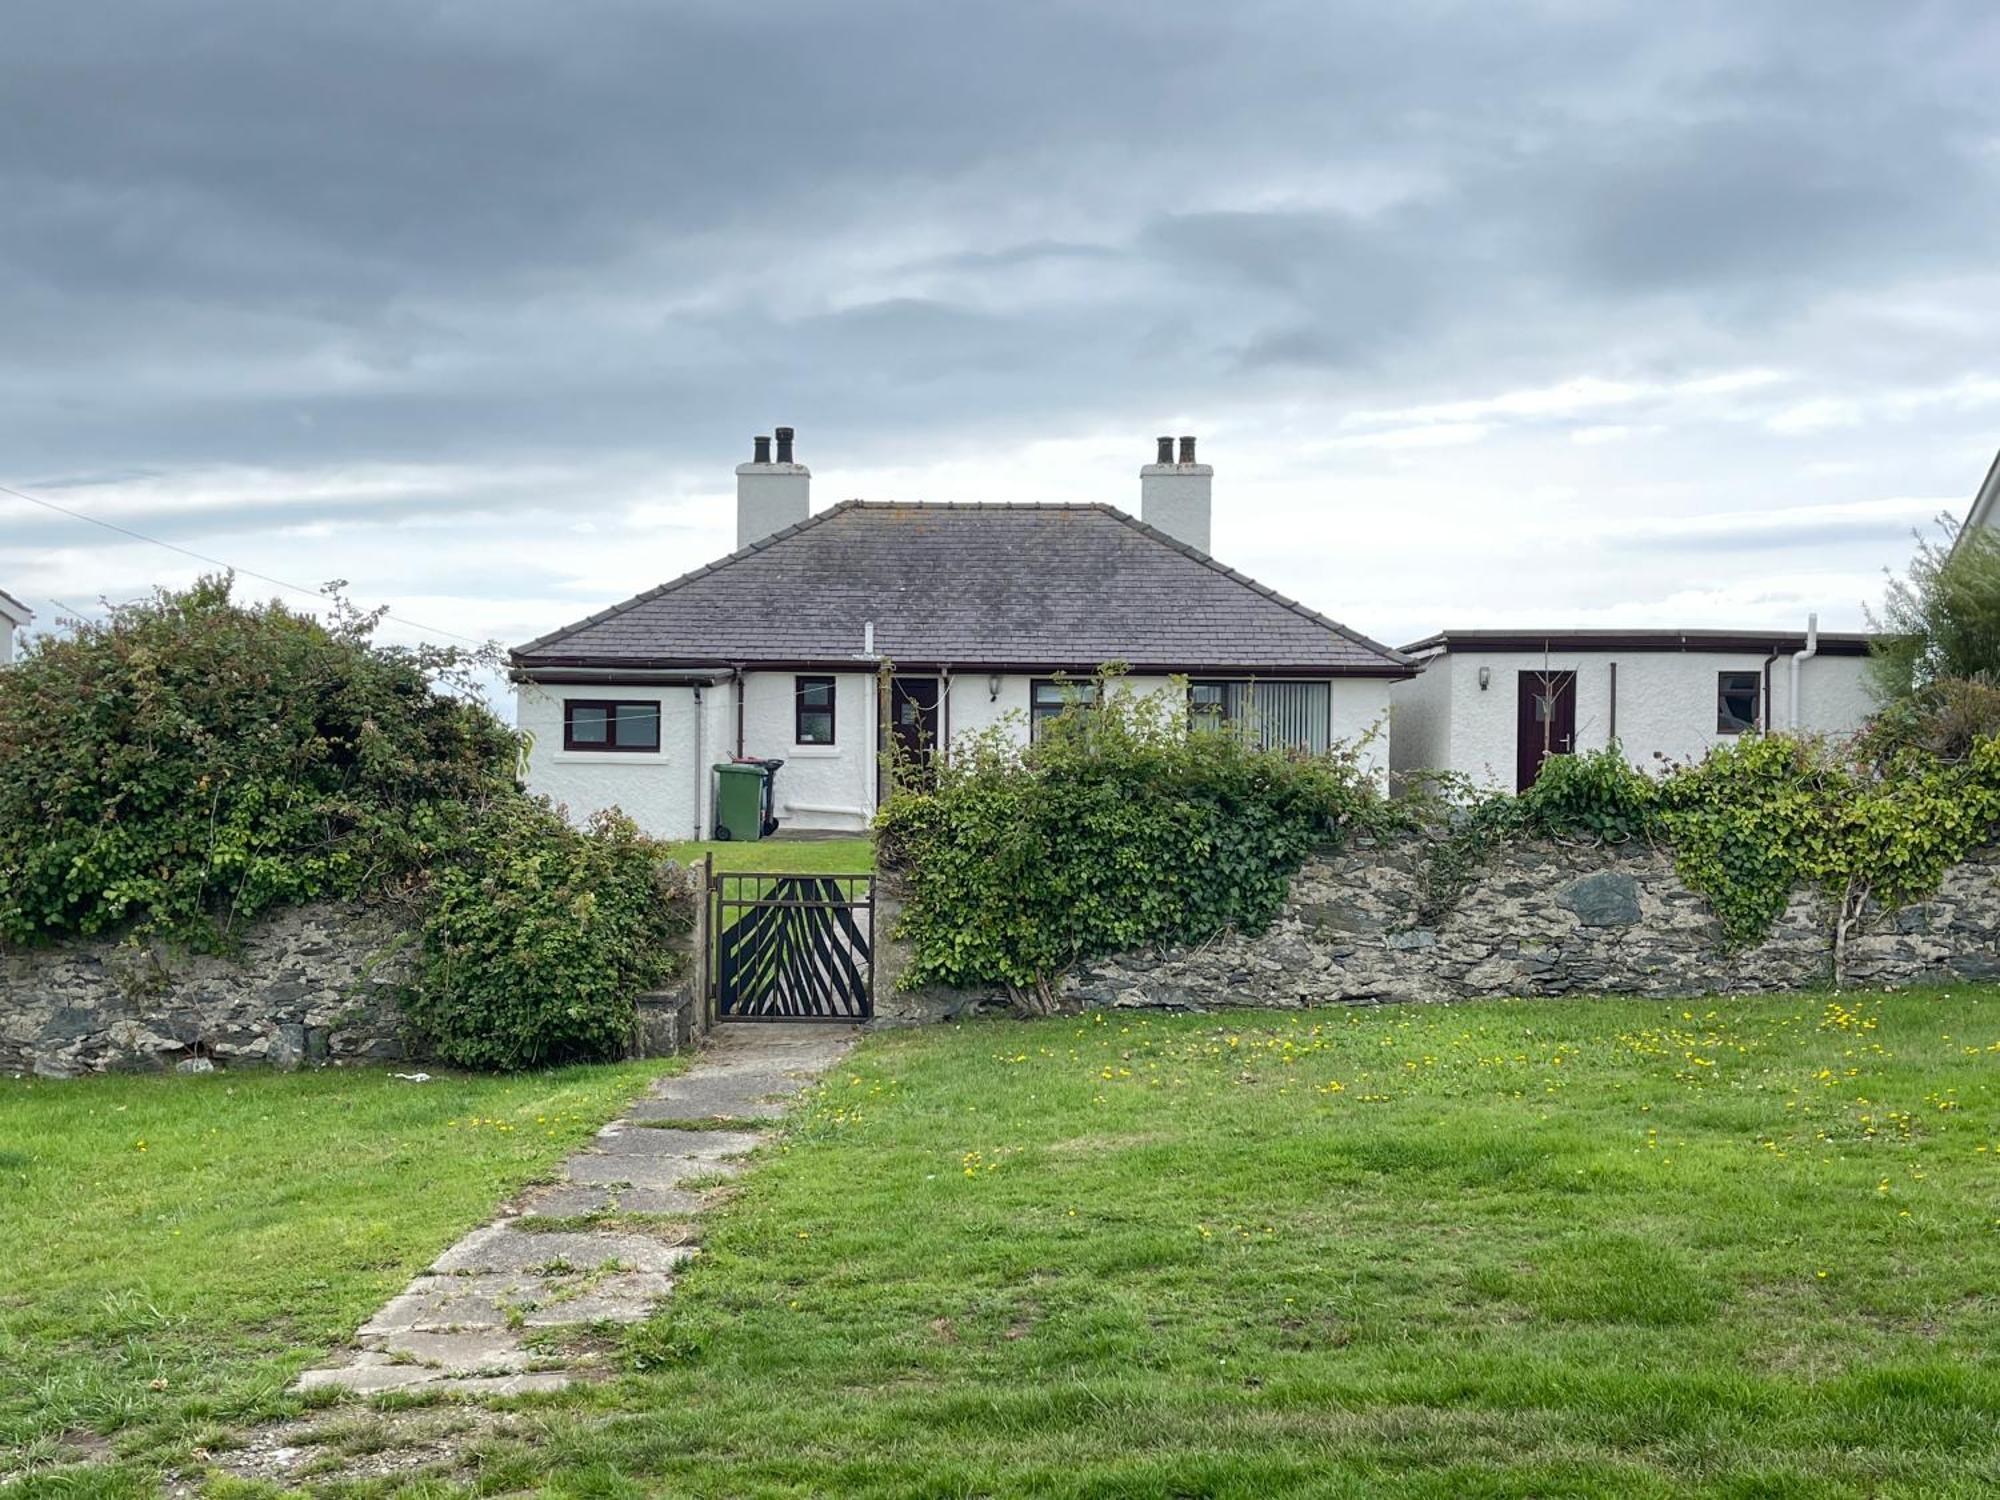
[815, 752]
[608, 757]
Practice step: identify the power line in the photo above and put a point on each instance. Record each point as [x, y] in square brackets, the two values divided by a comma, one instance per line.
[216, 562]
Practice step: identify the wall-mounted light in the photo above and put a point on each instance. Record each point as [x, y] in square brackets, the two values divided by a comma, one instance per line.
[993, 687]
[1485, 677]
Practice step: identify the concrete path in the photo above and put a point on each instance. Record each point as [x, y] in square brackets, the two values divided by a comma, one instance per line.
[485, 1318]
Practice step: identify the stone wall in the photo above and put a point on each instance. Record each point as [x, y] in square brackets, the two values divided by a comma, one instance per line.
[1540, 919]
[310, 984]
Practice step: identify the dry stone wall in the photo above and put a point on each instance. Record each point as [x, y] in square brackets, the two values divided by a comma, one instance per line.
[1539, 919]
[309, 984]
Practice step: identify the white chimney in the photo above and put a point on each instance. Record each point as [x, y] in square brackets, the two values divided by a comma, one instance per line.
[1174, 494]
[771, 495]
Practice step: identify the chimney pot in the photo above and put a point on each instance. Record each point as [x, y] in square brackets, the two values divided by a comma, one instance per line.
[1174, 496]
[771, 496]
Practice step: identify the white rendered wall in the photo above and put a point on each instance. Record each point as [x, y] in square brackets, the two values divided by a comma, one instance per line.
[1833, 694]
[1361, 707]
[662, 792]
[6, 640]
[821, 787]
[1420, 720]
[1665, 709]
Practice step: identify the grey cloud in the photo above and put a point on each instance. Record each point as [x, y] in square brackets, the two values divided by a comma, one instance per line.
[498, 231]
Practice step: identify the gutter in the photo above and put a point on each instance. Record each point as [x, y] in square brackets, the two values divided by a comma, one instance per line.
[1799, 659]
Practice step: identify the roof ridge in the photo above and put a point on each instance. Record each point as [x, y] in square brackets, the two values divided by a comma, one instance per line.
[1388, 654]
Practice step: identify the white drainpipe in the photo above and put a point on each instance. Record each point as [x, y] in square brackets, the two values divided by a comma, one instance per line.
[1799, 659]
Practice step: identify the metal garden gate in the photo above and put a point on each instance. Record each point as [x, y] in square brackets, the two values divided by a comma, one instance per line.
[793, 947]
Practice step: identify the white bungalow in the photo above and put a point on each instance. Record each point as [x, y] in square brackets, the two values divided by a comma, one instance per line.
[825, 636]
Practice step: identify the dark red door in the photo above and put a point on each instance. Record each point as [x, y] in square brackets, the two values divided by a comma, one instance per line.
[1547, 723]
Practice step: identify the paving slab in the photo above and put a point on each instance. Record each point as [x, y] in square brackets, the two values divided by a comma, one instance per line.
[503, 1247]
[646, 1171]
[493, 1350]
[458, 1328]
[623, 1139]
[565, 1200]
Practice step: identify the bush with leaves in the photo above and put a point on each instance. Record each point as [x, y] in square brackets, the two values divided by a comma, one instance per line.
[537, 937]
[1755, 820]
[191, 761]
[1116, 828]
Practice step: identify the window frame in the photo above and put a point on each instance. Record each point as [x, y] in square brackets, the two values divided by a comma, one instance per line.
[832, 709]
[1074, 693]
[612, 713]
[1737, 726]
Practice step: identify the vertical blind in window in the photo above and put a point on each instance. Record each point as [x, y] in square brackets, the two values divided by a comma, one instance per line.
[1273, 715]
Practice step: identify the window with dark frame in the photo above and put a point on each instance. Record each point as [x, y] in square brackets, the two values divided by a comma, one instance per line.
[1736, 701]
[1275, 715]
[812, 710]
[610, 724]
[1049, 696]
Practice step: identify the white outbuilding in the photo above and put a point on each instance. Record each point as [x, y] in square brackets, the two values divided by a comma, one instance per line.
[13, 615]
[1494, 704]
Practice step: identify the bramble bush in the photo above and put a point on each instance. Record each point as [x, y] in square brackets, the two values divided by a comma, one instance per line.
[191, 761]
[1116, 828]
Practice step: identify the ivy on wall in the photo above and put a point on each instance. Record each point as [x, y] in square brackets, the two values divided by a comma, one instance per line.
[1116, 828]
[1749, 824]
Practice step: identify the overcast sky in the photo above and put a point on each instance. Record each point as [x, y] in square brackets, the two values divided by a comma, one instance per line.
[1558, 314]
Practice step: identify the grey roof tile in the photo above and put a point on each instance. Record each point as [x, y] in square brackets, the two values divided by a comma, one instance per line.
[967, 586]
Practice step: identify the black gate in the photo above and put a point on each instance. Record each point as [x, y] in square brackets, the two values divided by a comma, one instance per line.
[794, 947]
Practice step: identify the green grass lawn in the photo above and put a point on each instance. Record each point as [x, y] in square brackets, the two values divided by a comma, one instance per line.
[1744, 1248]
[785, 856]
[1554, 1248]
[174, 1249]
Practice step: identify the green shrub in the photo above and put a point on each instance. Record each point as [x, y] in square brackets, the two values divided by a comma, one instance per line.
[1597, 795]
[190, 761]
[538, 936]
[1942, 621]
[1117, 828]
[1757, 819]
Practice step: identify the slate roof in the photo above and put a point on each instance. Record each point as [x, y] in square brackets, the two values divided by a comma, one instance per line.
[1030, 587]
[14, 609]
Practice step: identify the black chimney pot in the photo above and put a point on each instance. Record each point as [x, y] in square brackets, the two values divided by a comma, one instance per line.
[1166, 450]
[1187, 450]
[784, 445]
[760, 450]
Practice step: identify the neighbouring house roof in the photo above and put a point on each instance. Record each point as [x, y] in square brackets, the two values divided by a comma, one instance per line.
[991, 587]
[1983, 503]
[1764, 642]
[13, 610]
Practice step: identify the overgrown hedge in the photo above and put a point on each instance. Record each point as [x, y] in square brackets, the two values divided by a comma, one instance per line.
[1747, 825]
[1121, 829]
[1115, 829]
[191, 761]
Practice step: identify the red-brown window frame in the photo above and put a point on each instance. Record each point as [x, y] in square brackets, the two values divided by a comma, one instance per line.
[611, 706]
